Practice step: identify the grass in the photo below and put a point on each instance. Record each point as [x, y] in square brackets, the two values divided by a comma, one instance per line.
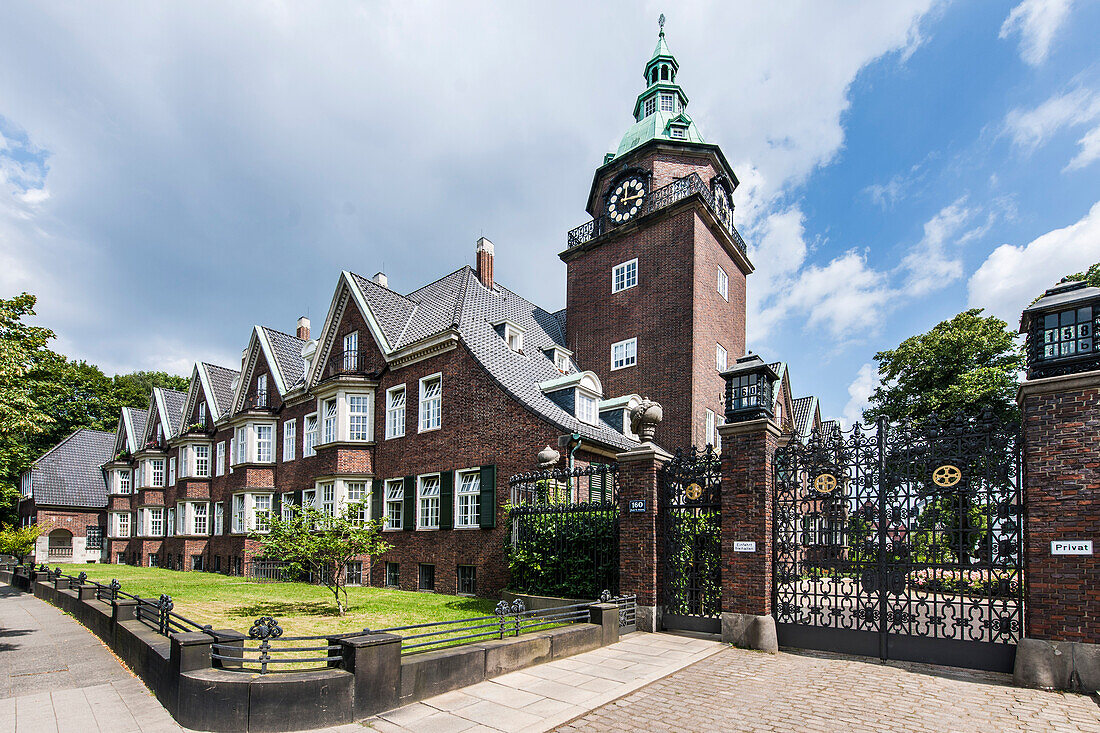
[228, 602]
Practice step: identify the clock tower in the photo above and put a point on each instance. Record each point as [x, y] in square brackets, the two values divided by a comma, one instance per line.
[655, 297]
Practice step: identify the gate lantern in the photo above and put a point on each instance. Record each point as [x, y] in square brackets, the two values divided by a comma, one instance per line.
[1061, 330]
[749, 389]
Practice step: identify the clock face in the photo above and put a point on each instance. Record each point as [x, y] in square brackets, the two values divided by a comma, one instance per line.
[722, 204]
[625, 200]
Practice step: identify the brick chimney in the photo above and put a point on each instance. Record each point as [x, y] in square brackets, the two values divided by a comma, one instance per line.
[303, 328]
[485, 262]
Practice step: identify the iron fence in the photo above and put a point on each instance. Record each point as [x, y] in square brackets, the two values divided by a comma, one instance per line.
[268, 650]
[663, 197]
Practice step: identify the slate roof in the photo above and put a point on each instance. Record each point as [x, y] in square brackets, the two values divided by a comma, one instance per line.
[830, 427]
[803, 414]
[287, 350]
[174, 402]
[460, 301]
[137, 420]
[221, 382]
[69, 474]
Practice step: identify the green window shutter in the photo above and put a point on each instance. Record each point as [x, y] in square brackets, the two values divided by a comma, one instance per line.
[447, 500]
[487, 507]
[408, 515]
[598, 488]
[376, 499]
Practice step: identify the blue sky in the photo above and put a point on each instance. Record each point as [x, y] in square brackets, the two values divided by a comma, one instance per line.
[170, 175]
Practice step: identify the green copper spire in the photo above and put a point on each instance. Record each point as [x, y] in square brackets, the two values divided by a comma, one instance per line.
[659, 111]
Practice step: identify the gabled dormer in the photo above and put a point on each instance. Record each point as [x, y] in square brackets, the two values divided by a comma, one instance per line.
[354, 339]
[579, 394]
[271, 367]
[511, 332]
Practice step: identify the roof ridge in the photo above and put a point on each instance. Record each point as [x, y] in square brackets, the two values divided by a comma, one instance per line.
[460, 301]
[383, 287]
[282, 333]
[437, 280]
[60, 443]
[219, 366]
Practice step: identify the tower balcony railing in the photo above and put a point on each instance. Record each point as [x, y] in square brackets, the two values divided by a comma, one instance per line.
[663, 197]
[349, 362]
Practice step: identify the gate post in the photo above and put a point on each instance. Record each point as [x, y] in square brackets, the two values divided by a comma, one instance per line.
[748, 449]
[1061, 473]
[638, 470]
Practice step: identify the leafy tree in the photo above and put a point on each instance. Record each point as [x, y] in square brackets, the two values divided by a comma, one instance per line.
[19, 541]
[310, 540]
[132, 390]
[966, 365]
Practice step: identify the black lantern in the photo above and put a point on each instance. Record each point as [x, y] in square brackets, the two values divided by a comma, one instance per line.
[1061, 330]
[749, 389]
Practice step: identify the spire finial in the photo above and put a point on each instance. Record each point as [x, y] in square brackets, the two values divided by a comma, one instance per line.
[661, 22]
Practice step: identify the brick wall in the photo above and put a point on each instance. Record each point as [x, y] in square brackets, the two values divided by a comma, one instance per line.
[1061, 431]
[638, 571]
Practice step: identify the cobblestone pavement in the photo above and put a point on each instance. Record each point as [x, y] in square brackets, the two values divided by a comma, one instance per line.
[547, 695]
[752, 691]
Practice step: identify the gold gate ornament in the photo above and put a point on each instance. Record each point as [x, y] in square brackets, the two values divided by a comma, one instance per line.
[947, 475]
[825, 483]
[693, 491]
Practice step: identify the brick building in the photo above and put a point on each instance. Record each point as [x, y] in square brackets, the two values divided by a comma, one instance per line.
[424, 404]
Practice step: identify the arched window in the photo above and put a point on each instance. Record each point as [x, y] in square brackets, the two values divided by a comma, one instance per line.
[60, 544]
[653, 76]
[664, 73]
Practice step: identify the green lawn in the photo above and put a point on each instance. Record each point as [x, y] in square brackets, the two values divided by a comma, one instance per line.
[302, 609]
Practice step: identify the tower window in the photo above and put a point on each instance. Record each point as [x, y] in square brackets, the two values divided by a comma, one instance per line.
[723, 284]
[653, 77]
[720, 357]
[624, 353]
[624, 276]
[650, 106]
[668, 103]
[664, 73]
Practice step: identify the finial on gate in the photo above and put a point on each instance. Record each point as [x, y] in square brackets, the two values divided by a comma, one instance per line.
[265, 627]
[605, 597]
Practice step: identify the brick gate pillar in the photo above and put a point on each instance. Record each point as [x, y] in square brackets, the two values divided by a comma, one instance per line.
[1061, 474]
[638, 529]
[747, 488]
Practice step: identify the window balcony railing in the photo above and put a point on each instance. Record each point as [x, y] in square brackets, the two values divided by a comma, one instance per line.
[664, 197]
[353, 361]
[257, 401]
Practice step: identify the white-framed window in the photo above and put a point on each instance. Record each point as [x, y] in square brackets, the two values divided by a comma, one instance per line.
[668, 103]
[624, 276]
[351, 351]
[587, 408]
[467, 499]
[123, 480]
[395, 412]
[237, 521]
[431, 402]
[219, 517]
[723, 284]
[710, 427]
[261, 512]
[200, 518]
[241, 440]
[309, 498]
[286, 504]
[290, 434]
[720, 357]
[395, 501]
[265, 443]
[157, 466]
[678, 131]
[202, 460]
[328, 409]
[200, 413]
[172, 525]
[261, 390]
[156, 522]
[357, 492]
[328, 498]
[171, 470]
[561, 361]
[624, 354]
[119, 525]
[309, 437]
[650, 106]
[427, 501]
[219, 464]
[515, 340]
[358, 417]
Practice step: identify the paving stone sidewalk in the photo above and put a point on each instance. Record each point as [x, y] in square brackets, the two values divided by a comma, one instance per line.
[547, 695]
[752, 691]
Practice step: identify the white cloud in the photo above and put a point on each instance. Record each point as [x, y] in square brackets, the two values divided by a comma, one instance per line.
[859, 394]
[930, 265]
[1031, 128]
[1036, 21]
[1090, 150]
[1013, 275]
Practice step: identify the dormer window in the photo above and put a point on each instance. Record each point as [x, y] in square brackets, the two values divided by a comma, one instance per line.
[678, 131]
[351, 351]
[561, 358]
[512, 335]
[261, 391]
[578, 393]
[200, 418]
[587, 408]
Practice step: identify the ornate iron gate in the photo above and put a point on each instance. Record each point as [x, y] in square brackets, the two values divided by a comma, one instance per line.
[902, 541]
[690, 525]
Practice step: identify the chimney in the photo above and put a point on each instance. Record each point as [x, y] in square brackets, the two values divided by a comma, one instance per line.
[485, 262]
[381, 279]
[303, 328]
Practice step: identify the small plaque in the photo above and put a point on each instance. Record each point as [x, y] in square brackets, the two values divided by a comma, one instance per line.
[637, 506]
[1071, 547]
[744, 547]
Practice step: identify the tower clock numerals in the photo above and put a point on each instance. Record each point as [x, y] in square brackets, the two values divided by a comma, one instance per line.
[625, 200]
[722, 204]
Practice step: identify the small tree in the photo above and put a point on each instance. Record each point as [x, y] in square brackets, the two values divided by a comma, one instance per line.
[310, 540]
[19, 541]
